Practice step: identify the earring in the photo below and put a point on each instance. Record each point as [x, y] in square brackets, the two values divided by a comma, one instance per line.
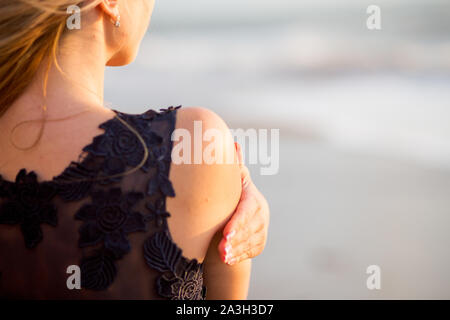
[117, 22]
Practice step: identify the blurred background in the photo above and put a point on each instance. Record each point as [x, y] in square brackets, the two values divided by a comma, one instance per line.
[364, 119]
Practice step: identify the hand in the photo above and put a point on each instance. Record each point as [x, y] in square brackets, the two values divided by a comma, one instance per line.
[245, 235]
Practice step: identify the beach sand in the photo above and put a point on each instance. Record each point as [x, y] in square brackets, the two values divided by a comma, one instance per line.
[335, 212]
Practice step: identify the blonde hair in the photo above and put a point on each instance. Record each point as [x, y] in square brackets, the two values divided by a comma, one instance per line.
[30, 33]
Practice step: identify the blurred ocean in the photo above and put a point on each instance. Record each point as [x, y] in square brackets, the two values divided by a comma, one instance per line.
[303, 65]
[364, 122]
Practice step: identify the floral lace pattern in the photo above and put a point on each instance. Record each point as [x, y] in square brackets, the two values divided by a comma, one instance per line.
[181, 279]
[112, 214]
[110, 219]
[29, 205]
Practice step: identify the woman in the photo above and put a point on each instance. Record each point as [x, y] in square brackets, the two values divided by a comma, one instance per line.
[101, 211]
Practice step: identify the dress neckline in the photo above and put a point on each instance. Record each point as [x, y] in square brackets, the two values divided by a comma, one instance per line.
[77, 163]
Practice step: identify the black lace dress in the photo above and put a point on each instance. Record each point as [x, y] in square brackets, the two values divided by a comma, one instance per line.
[93, 222]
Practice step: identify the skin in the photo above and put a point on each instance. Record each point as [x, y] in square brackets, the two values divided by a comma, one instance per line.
[245, 235]
[240, 210]
[207, 196]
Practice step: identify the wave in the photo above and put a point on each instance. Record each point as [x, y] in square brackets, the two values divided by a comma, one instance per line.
[321, 75]
[293, 50]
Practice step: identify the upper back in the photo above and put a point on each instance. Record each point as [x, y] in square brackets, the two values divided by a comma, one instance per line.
[113, 226]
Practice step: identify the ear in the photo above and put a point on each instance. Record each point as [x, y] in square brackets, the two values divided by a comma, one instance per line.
[110, 8]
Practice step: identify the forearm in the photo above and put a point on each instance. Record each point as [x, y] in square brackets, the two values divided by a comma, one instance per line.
[225, 282]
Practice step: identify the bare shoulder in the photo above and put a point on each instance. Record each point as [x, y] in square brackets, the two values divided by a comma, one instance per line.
[206, 192]
[209, 144]
[186, 118]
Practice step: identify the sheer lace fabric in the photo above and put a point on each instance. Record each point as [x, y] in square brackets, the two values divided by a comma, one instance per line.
[114, 228]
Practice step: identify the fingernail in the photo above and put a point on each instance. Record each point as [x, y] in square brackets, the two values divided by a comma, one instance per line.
[232, 261]
[227, 249]
[228, 257]
[232, 233]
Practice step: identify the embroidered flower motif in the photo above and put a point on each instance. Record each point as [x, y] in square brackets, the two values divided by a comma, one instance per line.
[98, 270]
[181, 278]
[186, 286]
[158, 212]
[169, 109]
[148, 115]
[121, 147]
[160, 181]
[109, 219]
[29, 205]
[76, 182]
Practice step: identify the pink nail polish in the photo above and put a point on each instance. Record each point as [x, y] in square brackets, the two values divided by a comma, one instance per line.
[232, 233]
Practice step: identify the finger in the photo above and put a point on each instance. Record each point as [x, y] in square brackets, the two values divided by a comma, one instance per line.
[256, 225]
[225, 250]
[247, 250]
[244, 237]
[245, 173]
[243, 242]
[239, 154]
[222, 249]
[234, 246]
[248, 255]
[245, 210]
[246, 180]
[237, 227]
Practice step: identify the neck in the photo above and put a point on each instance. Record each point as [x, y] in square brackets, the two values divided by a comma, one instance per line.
[78, 89]
[78, 92]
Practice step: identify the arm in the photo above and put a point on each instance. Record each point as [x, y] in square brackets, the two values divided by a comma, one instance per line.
[245, 234]
[206, 197]
[225, 282]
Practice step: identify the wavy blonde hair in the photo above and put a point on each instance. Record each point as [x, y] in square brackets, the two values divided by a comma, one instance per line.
[30, 33]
